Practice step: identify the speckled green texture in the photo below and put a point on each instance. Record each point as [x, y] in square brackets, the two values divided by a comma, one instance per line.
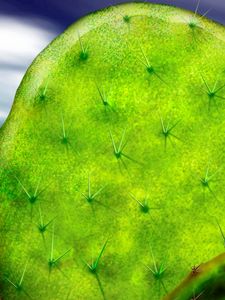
[155, 80]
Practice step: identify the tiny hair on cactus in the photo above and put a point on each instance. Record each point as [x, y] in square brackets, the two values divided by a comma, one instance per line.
[93, 267]
[53, 262]
[83, 49]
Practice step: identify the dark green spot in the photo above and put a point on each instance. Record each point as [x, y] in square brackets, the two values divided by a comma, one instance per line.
[126, 19]
[150, 69]
[84, 55]
[144, 208]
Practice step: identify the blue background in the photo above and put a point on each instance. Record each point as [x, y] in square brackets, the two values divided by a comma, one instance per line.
[64, 12]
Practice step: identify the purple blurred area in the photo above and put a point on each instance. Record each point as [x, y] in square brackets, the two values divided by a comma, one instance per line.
[66, 12]
[27, 26]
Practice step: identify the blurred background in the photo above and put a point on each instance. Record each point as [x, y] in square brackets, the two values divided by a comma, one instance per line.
[28, 26]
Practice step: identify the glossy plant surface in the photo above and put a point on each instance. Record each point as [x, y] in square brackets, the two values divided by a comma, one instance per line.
[112, 158]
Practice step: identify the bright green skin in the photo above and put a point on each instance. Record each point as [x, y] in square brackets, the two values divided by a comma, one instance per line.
[183, 232]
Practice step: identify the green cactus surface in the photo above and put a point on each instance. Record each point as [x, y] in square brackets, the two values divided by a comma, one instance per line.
[112, 161]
